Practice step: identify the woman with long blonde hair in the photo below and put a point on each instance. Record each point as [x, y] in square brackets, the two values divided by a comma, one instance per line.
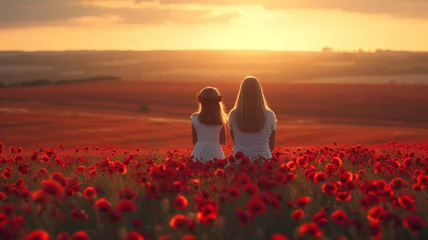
[208, 126]
[252, 123]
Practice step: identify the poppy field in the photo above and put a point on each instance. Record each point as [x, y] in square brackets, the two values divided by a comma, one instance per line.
[321, 192]
[107, 112]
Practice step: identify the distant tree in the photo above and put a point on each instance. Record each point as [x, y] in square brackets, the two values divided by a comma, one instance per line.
[327, 50]
[38, 82]
[143, 108]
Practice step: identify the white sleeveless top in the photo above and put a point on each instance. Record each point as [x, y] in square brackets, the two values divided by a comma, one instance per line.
[208, 145]
[253, 145]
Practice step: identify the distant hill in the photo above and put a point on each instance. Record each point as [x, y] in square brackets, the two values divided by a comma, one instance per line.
[44, 82]
[16, 68]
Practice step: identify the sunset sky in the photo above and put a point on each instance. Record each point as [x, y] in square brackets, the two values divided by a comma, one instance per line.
[306, 25]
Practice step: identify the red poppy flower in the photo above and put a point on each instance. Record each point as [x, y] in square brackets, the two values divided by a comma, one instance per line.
[320, 219]
[280, 178]
[44, 159]
[33, 156]
[375, 230]
[278, 236]
[322, 159]
[2, 196]
[339, 217]
[256, 206]
[343, 196]
[245, 161]
[219, 173]
[329, 188]
[414, 223]
[114, 216]
[7, 174]
[126, 205]
[178, 221]
[89, 192]
[52, 187]
[407, 202]
[310, 229]
[346, 177]
[303, 201]
[244, 216]
[297, 215]
[134, 236]
[80, 235]
[102, 205]
[137, 223]
[18, 158]
[43, 172]
[19, 150]
[398, 183]
[290, 177]
[320, 177]
[188, 237]
[251, 189]
[291, 165]
[180, 202]
[274, 202]
[239, 155]
[126, 193]
[374, 214]
[336, 161]
[418, 187]
[40, 196]
[59, 178]
[63, 236]
[79, 215]
[302, 162]
[37, 235]
[234, 192]
[207, 214]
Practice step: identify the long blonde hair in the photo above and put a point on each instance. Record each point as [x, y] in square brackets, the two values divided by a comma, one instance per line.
[250, 106]
[211, 108]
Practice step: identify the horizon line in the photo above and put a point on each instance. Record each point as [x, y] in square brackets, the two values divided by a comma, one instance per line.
[220, 50]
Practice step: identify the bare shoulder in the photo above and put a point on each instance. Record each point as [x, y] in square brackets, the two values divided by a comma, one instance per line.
[270, 113]
[194, 117]
[232, 112]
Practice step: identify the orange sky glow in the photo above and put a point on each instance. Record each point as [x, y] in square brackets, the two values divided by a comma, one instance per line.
[234, 24]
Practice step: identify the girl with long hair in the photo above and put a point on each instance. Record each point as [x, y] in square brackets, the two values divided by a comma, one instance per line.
[208, 126]
[252, 123]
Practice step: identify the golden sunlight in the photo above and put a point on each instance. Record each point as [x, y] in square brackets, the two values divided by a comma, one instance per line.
[220, 27]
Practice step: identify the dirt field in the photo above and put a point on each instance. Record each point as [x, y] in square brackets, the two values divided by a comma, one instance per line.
[107, 112]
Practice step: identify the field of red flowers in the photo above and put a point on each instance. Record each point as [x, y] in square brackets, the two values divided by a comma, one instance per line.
[326, 192]
[308, 114]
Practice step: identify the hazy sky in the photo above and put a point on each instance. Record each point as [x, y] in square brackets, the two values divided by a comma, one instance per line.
[213, 24]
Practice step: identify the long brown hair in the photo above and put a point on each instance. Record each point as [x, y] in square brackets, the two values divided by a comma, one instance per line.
[250, 106]
[211, 108]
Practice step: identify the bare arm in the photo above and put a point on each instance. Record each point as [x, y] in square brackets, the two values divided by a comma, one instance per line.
[272, 141]
[194, 135]
[222, 136]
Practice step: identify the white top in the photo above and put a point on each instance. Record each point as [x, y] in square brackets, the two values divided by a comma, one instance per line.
[253, 145]
[208, 145]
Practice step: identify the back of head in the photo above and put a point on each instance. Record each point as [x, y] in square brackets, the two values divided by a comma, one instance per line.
[211, 109]
[250, 106]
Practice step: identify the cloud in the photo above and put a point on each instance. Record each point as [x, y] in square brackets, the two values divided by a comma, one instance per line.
[24, 13]
[154, 16]
[395, 8]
